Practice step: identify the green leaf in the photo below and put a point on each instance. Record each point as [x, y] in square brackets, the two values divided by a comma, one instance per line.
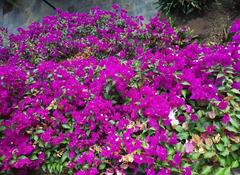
[65, 126]
[39, 131]
[208, 155]
[58, 168]
[220, 75]
[88, 133]
[35, 137]
[49, 167]
[171, 151]
[235, 147]
[180, 147]
[220, 146]
[48, 153]
[235, 91]
[206, 170]
[102, 166]
[231, 128]
[179, 129]
[144, 144]
[2, 128]
[195, 156]
[44, 167]
[86, 166]
[222, 160]
[225, 152]
[235, 123]
[185, 83]
[235, 164]
[184, 93]
[223, 171]
[64, 156]
[225, 140]
[33, 157]
[221, 88]
[183, 135]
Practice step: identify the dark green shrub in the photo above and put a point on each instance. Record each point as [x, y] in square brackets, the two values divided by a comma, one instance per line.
[181, 6]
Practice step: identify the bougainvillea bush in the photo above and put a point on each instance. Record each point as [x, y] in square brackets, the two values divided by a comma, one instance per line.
[105, 93]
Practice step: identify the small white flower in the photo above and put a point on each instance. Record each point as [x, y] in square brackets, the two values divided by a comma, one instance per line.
[172, 117]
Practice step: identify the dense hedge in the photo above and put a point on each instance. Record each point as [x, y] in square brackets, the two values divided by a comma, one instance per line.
[105, 93]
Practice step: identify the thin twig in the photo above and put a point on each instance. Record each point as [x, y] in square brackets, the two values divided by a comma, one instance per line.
[48, 3]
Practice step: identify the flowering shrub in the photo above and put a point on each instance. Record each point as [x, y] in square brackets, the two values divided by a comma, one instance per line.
[104, 93]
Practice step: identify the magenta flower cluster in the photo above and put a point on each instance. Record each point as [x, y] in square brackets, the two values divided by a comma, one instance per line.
[105, 93]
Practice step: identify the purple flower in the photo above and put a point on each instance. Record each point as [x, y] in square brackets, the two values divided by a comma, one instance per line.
[161, 153]
[181, 118]
[223, 105]
[21, 163]
[150, 171]
[46, 136]
[194, 117]
[164, 171]
[187, 171]
[210, 129]
[81, 160]
[188, 147]
[25, 149]
[177, 158]
[71, 165]
[173, 139]
[71, 154]
[236, 85]
[115, 6]
[236, 26]
[89, 157]
[225, 119]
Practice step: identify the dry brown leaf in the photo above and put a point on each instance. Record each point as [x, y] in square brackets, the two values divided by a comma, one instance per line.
[97, 148]
[235, 139]
[197, 139]
[185, 126]
[228, 98]
[124, 166]
[201, 150]
[127, 158]
[216, 139]
[211, 114]
[131, 125]
[208, 141]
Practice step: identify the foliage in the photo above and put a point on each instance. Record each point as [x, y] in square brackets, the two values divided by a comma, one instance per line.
[181, 6]
[104, 93]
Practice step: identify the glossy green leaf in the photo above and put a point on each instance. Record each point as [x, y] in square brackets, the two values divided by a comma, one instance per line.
[223, 171]
[208, 155]
[220, 146]
[102, 166]
[235, 164]
[206, 170]
[64, 156]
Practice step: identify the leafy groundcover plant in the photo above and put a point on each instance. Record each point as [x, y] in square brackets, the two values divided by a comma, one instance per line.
[104, 93]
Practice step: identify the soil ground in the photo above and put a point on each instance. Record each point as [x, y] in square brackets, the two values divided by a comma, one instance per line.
[211, 26]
